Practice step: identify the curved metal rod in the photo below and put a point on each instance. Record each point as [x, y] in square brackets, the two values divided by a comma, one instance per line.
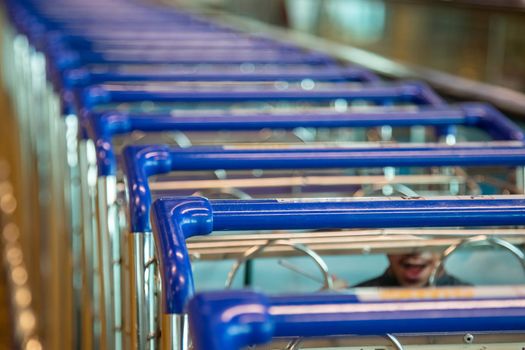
[475, 241]
[274, 137]
[223, 193]
[395, 341]
[328, 282]
[306, 135]
[472, 187]
[181, 139]
[294, 344]
[403, 190]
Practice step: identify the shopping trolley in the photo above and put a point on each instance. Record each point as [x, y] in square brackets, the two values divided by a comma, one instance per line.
[69, 122]
[107, 188]
[107, 184]
[177, 219]
[143, 162]
[101, 128]
[54, 131]
[101, 220]
[58, 133]
[75, 16]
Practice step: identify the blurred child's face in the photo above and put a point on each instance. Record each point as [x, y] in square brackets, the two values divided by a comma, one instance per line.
[413, 270]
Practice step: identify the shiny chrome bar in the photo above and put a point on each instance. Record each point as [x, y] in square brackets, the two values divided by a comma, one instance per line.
[307, 181]
[346, 243]
[175, 332]
[105, 201]
[143, 303]
[87, 230]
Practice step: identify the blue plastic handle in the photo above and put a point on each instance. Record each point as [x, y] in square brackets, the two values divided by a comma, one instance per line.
[47, 37]
[68, 59]
[95, 34]
[78, 78]
[140, 162]
[102, 127]
[182, 44]
[72, 81]
[76, 42]
[174, 44]
[176, 219]
[70, 19]
[407, 92]
[79, 23]
[232, 320]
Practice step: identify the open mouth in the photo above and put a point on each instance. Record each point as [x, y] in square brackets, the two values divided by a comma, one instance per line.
[408, 265]
[412, 270]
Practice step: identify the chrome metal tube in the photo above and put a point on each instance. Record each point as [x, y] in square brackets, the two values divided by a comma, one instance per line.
[74, 209]
[105, 262]
[60, 234]
[175, 332]
[138, 303]
[520, 179]
[88, 233]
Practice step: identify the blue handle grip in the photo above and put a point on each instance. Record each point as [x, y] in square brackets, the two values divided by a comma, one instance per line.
[82, 77]
[79, 24]
[50, 39]
[102, 128]
[234, 320]
[176, 47]
[68, 59]
[176, 219]
[144, 161]
[76, 42]
[104, 23]
[407, 92]
[76, 79]
[95, 34]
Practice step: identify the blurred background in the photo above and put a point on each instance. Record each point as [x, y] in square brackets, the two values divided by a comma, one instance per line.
[472, 48]
[476, 39]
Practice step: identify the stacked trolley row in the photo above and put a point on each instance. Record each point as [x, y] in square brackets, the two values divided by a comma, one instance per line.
[236, 320]
[121, 103]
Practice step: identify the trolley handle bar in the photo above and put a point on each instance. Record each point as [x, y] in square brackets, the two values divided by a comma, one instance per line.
[176, 219]
[232, 320]
[140, 162]
[68, 59]
[82, 77]
[406, 92]
[102, 127]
